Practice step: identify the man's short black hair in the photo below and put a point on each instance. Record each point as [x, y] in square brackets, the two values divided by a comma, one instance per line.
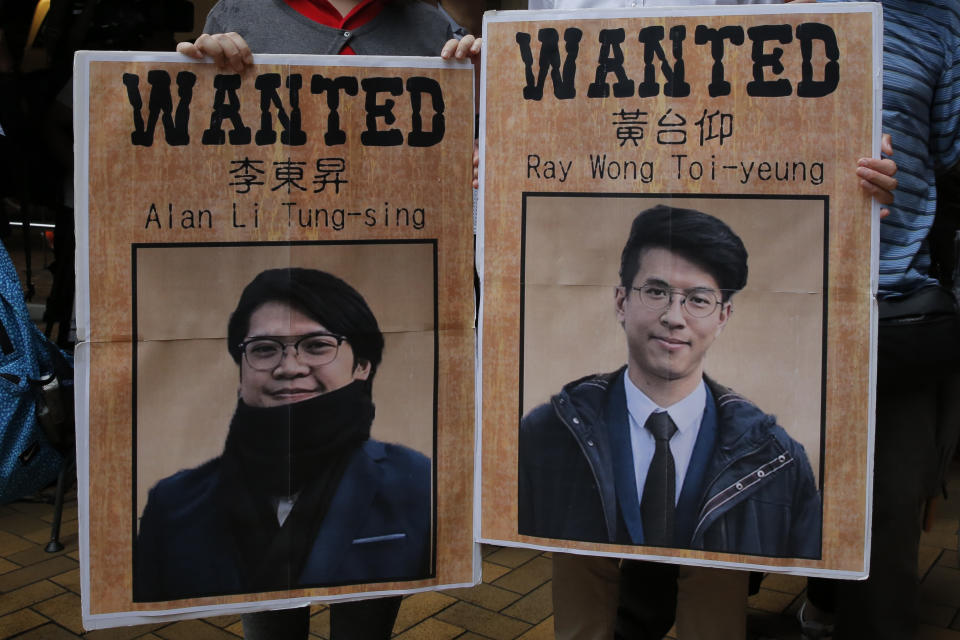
[320, 295]
[696, 236]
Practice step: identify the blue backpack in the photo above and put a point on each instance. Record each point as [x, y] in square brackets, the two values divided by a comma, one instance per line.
[35, 378]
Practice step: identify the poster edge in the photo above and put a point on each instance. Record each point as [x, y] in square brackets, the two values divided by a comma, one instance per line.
[844, 574]
[520, 15]
[128, 618]
[479, 257]
[81, 127]
[81, 406]
[418, 62]
[877, 70]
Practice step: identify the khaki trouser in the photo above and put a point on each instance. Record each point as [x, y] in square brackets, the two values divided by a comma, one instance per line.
[711, 603]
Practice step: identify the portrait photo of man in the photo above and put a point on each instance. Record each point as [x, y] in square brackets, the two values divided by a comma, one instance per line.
[657, 452]
[299, 494]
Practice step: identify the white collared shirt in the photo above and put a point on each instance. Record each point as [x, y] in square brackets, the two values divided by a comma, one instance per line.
[284, 506]
[604, 4]
[686, 414]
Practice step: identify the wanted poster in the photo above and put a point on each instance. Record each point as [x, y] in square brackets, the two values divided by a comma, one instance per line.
[678, 301]
[275, 315]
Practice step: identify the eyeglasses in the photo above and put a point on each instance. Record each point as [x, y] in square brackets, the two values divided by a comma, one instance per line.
[312, 350]
[698, 302]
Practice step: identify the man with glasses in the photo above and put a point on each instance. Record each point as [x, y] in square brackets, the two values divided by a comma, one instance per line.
[301, 496]
[656, 453]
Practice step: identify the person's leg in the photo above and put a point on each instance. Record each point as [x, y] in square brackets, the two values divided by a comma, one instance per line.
[361, 620]
[816, 614]
[284, 624]
[822, 594]
[711, 604]
[885, 605]
[948, 430]
[647, 601]
[364, 619]
[584, 596]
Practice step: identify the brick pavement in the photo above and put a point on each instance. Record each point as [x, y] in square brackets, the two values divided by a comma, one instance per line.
[39, 592]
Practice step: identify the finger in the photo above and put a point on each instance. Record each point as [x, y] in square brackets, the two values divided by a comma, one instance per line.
[878, 178]
[209, 45]
[448, 48]
[189, 49]
[476, 47]
[232, 57]
[463, 47]
[886, 166]
[886, 144]
[476, 164]
[880, 195]
[884, 213]
[245, 55]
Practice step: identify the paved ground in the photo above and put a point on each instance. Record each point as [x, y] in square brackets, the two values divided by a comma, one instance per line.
[39, 592]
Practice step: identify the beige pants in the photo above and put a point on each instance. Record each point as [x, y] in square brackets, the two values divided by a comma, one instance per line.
[711, 603]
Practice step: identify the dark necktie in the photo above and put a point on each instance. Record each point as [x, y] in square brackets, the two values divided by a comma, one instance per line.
[659, 491]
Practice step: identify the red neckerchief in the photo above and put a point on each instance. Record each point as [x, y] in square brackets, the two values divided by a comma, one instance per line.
[326, 14]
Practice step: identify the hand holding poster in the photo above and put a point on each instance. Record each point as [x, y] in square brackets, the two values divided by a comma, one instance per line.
[678, 299]
[276, 322]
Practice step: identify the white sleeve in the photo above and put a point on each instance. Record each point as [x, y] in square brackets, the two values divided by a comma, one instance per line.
[541, 4]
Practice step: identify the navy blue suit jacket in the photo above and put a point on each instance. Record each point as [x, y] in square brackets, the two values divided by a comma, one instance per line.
[377, 529]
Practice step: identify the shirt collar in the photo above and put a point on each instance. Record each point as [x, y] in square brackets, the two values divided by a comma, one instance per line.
[686, 413]
[326, 14]
[458, 31]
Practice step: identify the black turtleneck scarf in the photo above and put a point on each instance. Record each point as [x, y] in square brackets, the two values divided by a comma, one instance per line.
[300, 449]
